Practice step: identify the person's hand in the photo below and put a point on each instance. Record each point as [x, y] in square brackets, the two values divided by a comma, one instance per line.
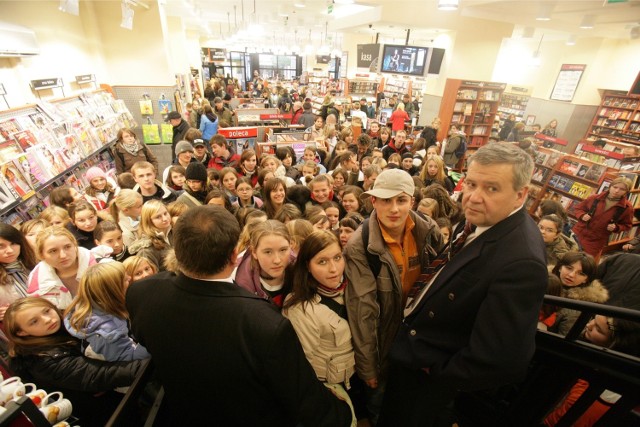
[586, 217]
[372, 383]
[627, 247]
[611, 227]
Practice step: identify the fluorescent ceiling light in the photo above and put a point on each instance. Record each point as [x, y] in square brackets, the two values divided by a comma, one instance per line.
[299, 3]
[70, 6]
[588, 22]
[447, 5]
[571, 41]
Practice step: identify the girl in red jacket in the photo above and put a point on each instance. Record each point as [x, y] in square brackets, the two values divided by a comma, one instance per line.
[602, 214]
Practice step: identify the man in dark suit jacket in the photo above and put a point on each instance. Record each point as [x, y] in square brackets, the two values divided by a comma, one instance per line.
[224, 356]
[473, 326]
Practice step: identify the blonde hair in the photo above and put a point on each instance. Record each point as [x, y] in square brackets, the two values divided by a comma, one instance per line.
[251, 222]
[52, 211]
[102, 286]
[149, 209]
[124, 200]
[440, 175]
[52, 231]
[134, 262]
[622, 180]
[299, 229]
[431, 204]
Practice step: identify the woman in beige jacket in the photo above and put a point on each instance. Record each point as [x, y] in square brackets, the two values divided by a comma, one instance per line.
[317, 312]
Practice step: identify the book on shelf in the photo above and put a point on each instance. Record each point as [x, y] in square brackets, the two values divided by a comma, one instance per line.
[595, 172]
[540, 174]
[566, 202]
[552, 159]
[604, 187]
[582, 171]
[25, 139]
[541, 158]
[569, 166]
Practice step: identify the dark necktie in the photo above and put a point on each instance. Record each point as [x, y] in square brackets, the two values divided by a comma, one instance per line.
[438, 263]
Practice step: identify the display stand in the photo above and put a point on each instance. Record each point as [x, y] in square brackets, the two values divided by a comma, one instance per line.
[285, 139]
[51, 144]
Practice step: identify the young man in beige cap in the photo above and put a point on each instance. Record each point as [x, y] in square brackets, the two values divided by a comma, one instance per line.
[382, 272]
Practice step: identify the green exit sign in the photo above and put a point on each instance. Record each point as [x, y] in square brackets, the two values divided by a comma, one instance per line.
[616, 1]
[330, 8]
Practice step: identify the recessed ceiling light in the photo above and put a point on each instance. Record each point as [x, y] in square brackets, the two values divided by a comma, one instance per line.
[588, 22]
[447, 5]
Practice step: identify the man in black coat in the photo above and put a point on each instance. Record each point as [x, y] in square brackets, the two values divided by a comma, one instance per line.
[180, 128]
[473, 325]
[224, 356]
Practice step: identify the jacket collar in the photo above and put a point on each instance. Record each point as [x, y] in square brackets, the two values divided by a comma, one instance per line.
[208, 288]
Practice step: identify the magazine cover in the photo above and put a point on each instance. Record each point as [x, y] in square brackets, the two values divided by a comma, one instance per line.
[32, 170]
[72, 148]
[9, 127]
[44, 156]
[7, 196]
[26, 139]
[15, 179]
[40, 119]
[9, 150]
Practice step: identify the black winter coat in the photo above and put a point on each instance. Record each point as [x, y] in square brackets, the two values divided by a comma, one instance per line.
[66, 368]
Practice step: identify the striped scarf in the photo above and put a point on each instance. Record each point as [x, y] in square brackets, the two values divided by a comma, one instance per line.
[18, 275]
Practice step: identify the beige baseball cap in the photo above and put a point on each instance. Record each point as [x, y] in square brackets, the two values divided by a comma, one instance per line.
[390, 183]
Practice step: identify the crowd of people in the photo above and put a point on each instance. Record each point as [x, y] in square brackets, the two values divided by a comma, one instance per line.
[357, 281]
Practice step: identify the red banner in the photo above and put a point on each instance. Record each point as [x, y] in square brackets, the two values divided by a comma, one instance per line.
[275, 116]
[596, 150]
[543, 137]
[238, 132]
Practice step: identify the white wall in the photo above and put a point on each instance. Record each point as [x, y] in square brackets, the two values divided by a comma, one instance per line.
[67, 50]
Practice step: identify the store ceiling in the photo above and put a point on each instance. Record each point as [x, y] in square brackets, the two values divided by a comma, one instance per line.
[284, 20]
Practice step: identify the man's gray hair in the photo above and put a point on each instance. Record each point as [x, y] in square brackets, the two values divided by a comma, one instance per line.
[506, 153]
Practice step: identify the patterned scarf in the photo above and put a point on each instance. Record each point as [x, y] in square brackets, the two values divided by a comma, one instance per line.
[131, 148]
[19, 275]
[332, 292]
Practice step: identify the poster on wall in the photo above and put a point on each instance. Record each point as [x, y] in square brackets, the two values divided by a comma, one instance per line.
[368, 56]
[567, 82]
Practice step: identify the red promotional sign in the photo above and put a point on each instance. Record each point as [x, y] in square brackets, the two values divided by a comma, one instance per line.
[275, 116]
[596, 150]
[543, 137]
[233, 133]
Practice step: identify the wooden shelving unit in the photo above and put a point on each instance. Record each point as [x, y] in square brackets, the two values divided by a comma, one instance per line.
[617, 118]
[514, 101]
[471, 106]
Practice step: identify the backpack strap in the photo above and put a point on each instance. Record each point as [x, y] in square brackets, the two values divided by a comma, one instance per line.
[593, 207]
[336, 307]
[374, 261]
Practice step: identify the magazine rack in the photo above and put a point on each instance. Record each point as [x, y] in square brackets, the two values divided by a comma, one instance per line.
[48, 143]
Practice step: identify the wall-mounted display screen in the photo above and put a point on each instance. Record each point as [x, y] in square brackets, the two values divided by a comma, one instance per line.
[409, 60]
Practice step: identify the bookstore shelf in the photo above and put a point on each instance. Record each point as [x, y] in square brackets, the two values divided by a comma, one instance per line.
[53, 143]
